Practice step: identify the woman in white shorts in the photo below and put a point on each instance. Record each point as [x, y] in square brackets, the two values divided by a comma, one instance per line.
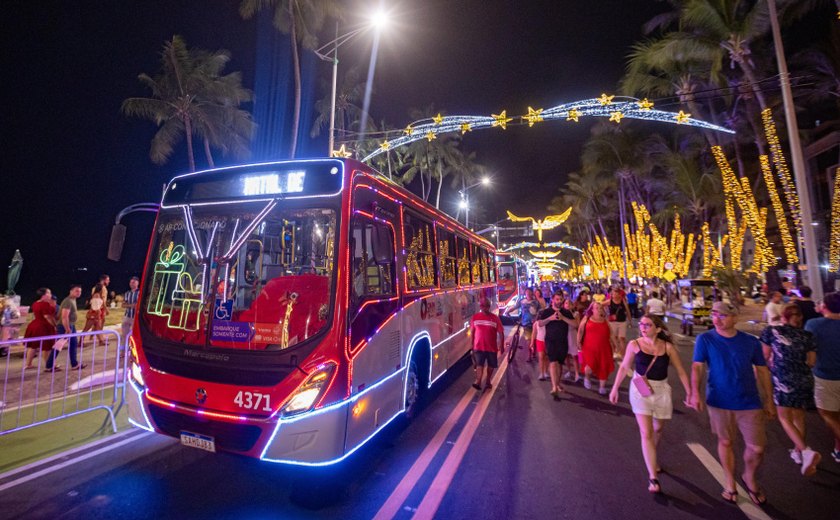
[649, 356]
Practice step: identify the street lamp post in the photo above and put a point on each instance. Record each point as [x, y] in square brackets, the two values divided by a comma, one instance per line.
[465, 198]
[377, 22]
[812, 260]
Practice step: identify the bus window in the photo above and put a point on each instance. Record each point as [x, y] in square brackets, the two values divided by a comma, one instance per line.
[447, 257]
[373, 260]
[463, 262]
[475, 264]
[420, 253]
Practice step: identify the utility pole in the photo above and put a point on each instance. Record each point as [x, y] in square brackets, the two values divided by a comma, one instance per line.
[812, 259]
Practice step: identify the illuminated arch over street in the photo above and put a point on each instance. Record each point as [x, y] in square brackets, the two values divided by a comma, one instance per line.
[612, 107]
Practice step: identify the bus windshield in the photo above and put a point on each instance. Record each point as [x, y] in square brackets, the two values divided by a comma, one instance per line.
[246, 276]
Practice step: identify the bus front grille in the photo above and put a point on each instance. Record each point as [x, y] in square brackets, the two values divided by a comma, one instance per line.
[231, 437]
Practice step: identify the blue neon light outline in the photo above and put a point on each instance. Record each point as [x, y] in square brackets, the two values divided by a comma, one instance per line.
[139, 393]
[339, 163]
[412, 342]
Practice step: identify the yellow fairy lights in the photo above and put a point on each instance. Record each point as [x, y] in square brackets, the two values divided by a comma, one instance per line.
[616, 116]
[647, 251]
[645, 104]
[605, 99]
[834, 248]
[574, 115]
[533, 116]
[341, 152]
[549, 222]
[779, 210]
[501, 119]
[782, 171]
[739, 192]
[712, 256]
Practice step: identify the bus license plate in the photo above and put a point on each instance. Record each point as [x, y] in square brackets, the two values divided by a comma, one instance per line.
[201, 442]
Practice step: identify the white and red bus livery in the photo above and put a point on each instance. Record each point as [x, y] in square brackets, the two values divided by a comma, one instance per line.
[290, 310]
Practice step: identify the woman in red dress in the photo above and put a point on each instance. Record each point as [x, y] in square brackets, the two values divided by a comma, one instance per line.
[42, 325]
[594, 341]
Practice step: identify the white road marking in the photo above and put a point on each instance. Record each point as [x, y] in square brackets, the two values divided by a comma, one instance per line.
[434, 496]
[751, 510]
[64, 464]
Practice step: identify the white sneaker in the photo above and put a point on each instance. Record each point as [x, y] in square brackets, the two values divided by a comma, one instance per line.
[810, 459]
[796, 456]
[587, 384]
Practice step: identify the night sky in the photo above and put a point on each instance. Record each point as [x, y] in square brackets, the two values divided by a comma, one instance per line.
[70, 159]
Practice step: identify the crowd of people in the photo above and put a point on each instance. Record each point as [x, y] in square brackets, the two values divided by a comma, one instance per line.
[51, 318]
[792, 367]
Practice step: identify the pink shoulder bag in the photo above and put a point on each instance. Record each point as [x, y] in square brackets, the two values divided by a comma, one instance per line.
[641, 381]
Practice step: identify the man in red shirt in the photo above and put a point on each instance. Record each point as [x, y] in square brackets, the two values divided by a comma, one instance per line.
[488, 336]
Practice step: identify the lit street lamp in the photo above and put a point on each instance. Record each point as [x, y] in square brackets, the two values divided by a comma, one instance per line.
[465, 198]
[377, 21]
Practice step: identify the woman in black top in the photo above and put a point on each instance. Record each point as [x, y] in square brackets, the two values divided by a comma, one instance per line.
[649, 356]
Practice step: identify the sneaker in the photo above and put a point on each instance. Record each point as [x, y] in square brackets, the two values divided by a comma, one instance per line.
[587, 384]
[602, 391]
[567, 375]
[796, 456]
[836, 455]
[810, 459]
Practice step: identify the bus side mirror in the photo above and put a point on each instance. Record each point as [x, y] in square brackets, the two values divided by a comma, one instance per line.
[115, 246]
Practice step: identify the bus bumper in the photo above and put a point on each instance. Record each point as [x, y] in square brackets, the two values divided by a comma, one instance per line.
[313, 439]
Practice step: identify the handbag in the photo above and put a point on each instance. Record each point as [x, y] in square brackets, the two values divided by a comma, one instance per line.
[641, 381]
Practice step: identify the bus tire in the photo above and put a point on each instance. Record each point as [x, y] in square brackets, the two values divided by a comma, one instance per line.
[416, 381]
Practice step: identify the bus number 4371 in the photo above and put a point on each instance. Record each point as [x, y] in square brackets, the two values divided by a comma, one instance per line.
[253, 401]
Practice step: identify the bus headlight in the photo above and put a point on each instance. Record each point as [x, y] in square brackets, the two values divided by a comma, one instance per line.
[307, 394]
[136, 374]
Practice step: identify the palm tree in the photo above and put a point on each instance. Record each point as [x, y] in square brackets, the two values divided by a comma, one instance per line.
[191, 97]
[301, 20]
[348, 113]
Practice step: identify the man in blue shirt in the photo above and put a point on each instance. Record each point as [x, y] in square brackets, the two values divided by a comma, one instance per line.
[826, 331]
[527, 313]
[734, 359]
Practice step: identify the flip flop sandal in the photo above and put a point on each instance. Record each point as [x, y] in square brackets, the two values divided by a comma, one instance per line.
[476, 386]
[757, 497]
[729, 496]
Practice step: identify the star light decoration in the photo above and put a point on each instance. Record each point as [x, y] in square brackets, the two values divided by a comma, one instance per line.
[605, 106]
[533, 116]
[342, 152]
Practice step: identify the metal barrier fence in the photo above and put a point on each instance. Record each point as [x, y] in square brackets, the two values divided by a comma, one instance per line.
[40, 384]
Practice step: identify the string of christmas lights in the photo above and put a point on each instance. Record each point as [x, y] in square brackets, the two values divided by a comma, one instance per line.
[791, 256]
[788, 187]
[834, 248]
[605, 106]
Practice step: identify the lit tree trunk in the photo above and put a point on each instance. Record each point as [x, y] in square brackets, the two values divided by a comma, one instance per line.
[188, 132]
[208, 154]
[296, 65]
[440, 184]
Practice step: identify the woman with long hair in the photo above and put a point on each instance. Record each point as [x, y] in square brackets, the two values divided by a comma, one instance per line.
[94, 317]
[791, 352]
[648, 357]
[594, 340]
[542, 304]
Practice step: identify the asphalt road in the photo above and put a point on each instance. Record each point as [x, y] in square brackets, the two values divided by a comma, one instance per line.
[527, 457]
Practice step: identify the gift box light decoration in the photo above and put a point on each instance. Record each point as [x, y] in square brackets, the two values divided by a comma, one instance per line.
[615, 108]
[171, 263]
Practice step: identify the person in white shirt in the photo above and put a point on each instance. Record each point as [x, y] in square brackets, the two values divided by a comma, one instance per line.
[655, 306]
[773, 309]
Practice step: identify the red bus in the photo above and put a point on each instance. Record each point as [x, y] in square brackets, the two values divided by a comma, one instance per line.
[291, 310]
